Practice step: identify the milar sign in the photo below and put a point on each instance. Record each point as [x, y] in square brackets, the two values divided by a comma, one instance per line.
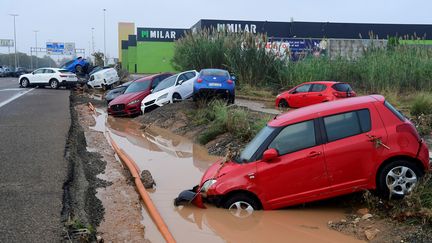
[252, 28]
[159, 34]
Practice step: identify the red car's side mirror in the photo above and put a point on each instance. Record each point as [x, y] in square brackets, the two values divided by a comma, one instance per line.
[270, 154]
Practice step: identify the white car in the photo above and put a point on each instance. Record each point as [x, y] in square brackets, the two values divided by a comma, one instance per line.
[103, 78]
[54, 77]
[172, 89]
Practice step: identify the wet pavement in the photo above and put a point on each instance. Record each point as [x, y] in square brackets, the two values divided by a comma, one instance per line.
[177, 164]
[261, 106]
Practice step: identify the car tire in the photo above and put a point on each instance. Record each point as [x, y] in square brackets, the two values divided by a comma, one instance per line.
[241, 205]
[397, 179]
[194, 97]
[25, 83]
[78, 69]
[283, 104]
[54, 83]
[231, 99]
[176, 98]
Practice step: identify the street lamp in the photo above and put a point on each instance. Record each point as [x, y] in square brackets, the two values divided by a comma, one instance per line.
[15, 43]
[36, 47]
[93, 43]
[104, 10]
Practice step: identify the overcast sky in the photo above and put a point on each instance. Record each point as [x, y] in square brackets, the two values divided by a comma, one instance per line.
[71, 21]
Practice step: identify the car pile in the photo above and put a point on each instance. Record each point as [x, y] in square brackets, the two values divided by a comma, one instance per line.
[146, 94]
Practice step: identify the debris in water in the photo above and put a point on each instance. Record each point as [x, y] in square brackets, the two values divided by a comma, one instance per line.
[147, 179]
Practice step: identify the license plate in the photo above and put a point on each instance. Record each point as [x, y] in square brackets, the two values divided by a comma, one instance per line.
[215, 84]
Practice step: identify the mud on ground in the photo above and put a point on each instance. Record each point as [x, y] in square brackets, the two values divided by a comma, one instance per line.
[82, 211]
[101, 194]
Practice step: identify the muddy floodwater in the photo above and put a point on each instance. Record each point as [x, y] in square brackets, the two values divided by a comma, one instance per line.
[178, 164]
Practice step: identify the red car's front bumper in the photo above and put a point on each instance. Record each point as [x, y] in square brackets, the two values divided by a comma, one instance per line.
[124, 110]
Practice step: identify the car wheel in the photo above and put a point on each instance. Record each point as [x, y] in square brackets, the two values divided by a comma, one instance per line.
[231, 99]
[194, 98]
[176, 98]
[54, 84]
[241, 205]
[283, 104]
[398, 179]
[25, 83]
[78, 69]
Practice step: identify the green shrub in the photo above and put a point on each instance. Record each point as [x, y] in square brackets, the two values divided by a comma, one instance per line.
[400, 68]
[422, 105]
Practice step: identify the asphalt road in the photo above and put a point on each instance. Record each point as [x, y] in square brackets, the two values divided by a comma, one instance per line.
[34, 125]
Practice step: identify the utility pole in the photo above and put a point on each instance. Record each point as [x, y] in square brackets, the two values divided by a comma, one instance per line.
[15, 43]
[93, 43]
[36, 63]
[105, 61]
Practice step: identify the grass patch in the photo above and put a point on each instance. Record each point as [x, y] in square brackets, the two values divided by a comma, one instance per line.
[414, 208]
[220, 118]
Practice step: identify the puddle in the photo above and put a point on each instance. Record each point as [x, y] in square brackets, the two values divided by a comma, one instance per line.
[177, 164]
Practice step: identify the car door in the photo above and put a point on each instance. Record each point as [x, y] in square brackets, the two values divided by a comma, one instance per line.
[37, 76]
[181, 85]
[315, 94]
[299, 172]
[189, 83]
[47, 75]
[298, 97]
[350, 153]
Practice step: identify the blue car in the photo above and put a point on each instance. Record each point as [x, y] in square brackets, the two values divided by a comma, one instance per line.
[78, 65]
[212, 83]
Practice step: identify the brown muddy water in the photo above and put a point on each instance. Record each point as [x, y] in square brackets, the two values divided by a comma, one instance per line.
[178, 164]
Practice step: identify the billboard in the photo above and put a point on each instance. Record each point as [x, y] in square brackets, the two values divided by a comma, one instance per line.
[159, 34]
[6, 42]
[60, 48]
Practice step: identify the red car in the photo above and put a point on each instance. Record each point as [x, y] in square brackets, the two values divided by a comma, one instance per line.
[313, 93]
[318, 152]
[129, 103]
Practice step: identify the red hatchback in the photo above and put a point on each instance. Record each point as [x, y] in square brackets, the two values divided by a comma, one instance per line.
[318, 152]
[311, 93]
[129, 103]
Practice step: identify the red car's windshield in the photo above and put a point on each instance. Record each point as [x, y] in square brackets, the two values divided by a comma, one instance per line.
[138, 86]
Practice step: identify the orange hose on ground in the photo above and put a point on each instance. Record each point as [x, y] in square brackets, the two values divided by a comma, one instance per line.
[133, 168]
[90, 105]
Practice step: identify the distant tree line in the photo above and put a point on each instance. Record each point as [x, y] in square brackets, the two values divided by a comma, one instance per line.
[25, 61]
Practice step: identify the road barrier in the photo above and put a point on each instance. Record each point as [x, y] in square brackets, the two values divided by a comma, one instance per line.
[134, 170]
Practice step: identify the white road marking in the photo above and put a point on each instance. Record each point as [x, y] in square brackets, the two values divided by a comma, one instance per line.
[14, 97]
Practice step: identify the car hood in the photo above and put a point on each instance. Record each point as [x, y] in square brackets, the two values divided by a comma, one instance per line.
[225, 168]
[126, 98]
[156, 95]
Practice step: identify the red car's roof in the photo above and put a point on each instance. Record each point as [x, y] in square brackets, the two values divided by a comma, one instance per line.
[322, 109]
[149, 77]
[322, 82]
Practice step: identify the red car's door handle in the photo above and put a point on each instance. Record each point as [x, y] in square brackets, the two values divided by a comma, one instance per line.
[320, 95]
[314, 154]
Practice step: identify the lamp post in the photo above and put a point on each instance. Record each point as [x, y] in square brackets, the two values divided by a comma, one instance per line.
[93, 43]
[104, 10]
[15, 43]
[36, 48]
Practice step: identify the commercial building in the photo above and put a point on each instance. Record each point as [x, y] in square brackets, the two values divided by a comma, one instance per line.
[150, 50]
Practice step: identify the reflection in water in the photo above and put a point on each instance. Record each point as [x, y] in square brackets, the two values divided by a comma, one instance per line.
[177, 164]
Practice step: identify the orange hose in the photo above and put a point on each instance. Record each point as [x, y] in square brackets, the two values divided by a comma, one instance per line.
[90, 105]
[133, 168]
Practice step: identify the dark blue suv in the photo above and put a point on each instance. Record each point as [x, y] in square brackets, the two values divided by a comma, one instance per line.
[214, 82]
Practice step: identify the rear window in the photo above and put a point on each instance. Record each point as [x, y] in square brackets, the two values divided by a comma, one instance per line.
[347, 124]
[63, 71]
[395, 111]
[342, 87]
[214, 72]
